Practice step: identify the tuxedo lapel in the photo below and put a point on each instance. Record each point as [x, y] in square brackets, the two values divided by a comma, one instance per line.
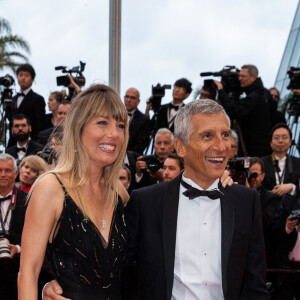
[227, 220]
[25, 101]
[169, 222]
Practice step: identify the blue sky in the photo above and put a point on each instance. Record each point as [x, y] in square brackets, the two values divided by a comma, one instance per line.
[162, 40]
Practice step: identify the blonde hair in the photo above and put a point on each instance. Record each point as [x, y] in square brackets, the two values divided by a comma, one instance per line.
[36, 163]
[97, 100]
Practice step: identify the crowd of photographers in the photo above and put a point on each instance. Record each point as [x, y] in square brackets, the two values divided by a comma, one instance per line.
[259, 158]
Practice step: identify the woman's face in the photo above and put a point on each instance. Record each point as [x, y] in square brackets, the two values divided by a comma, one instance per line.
[52, 103]
[102, 139]
[27, 174]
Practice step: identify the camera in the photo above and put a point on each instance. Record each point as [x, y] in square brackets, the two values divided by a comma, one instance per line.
[158, 92]
[239, 169]
[153, 164]
[295, 215]
[7, 81]
[48, 154]
[230, 80]
[4, 249]
[294, 75]
[78, 78]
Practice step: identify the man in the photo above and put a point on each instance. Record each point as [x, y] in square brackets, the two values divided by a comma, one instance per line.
[21, 131]
[276, 116]
[167, 113]
[180, 250]
[139, 124]
[62, 111]
[282, 170]
[197, 248]
[173, 166]
[28, 102]
[125, 176]
[234, 145]
[12, 204]
[268, 202]
[251, 112]
[163, 146]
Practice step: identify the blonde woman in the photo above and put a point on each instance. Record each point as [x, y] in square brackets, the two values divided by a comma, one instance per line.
[76, 211]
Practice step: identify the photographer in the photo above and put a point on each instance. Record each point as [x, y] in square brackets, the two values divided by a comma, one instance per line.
[163, 146]
[286, 230]
[12, 204]
[252, 112]
[167, 112]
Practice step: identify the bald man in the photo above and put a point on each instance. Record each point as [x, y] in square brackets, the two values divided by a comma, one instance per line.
[139, 124]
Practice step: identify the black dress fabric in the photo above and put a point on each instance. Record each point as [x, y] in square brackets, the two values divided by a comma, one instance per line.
[82, 262]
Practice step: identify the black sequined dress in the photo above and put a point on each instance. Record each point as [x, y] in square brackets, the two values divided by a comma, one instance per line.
[82, 262]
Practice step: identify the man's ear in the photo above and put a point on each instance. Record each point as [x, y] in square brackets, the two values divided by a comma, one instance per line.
[180, 148]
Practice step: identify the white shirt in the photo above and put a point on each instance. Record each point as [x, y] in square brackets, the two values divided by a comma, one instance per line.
[21, 154]
[4, 207]
[197, 268]
[172, 114]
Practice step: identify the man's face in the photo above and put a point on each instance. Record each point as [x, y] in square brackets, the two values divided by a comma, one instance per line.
[234, 149]
[25, 80]
[179, 94]
[163, 146]
[171, 169]
[131, 99]
[62, 112]
[206, 155]
[8, 174]
[245, 78]
[281, 141]
[274, 93]
[123, 177]
[21, 130]
[204, 94]
[255, 182]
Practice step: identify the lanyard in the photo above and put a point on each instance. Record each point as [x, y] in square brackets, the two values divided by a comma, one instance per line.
[11, 207]
[277, 169]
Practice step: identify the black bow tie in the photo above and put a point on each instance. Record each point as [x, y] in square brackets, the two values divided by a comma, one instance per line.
[21, 94]
[21, 149]
[176, 107]
[130, 114]
[5, 198]
[193, 193]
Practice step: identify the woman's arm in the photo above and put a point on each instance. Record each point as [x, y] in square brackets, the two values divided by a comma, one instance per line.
[43, 211]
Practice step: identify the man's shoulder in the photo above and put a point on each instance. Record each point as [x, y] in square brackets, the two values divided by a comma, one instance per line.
[151, 190]
[33, 145]
[35, 95]
[240, 192]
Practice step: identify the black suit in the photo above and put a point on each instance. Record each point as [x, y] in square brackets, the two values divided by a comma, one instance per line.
[152, 222]
[9, 271]
[291, 171]
[33, 148]
[139, 132]
[33, 106]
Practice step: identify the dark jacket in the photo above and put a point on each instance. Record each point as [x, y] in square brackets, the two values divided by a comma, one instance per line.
[253, 116]
[33, 148]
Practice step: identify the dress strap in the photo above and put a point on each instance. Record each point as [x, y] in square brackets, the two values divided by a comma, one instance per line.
[60, 182]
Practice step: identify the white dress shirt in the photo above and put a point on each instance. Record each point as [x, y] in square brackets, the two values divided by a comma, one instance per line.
[197, 268]
[4, 207]
[20, 98]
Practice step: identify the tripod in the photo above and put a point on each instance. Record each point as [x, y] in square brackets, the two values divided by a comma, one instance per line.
[292, 122]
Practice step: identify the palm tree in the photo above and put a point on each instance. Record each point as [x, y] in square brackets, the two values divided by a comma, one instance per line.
[8, 44]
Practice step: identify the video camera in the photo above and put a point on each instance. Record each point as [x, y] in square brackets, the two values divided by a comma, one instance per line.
[158, 92]
[294, 84]
[7, 81]
[239, 169]
[78, 78]
[153, 164]
[229, 78]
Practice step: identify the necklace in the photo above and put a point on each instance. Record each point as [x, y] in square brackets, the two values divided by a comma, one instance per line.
[103, 223]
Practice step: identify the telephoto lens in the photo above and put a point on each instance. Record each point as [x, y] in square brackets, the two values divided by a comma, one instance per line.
[4, 249]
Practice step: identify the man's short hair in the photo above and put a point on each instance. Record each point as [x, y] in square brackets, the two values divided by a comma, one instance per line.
[184, 83]
[235, 136]
[253, 71]
[164, 131]
[183, 125]
[26, 68]
[257, 160]
[6, 157]
[280, 125]
[21, 117]
[179, 160]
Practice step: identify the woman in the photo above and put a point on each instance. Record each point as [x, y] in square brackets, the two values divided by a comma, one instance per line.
[54, 100]
[82, 223]
[30, 168]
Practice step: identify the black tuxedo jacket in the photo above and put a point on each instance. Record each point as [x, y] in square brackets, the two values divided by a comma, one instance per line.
[151, 217]
[139, 132]
[9, 271]
[33, 106]
[33, 148]
[291, 171]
